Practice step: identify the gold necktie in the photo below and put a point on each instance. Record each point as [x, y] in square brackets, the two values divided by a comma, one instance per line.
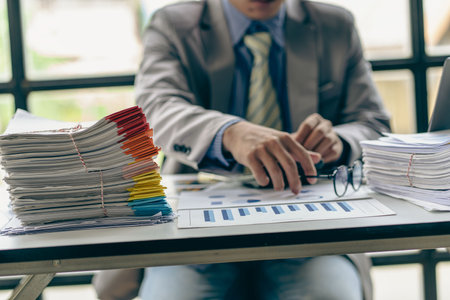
[263, 108]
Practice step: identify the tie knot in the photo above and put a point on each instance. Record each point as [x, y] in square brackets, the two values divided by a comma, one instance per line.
[259, 44]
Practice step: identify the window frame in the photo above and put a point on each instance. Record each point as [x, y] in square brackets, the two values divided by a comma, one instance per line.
[20, 87]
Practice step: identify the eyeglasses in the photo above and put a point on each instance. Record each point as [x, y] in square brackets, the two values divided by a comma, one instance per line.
[344, 175]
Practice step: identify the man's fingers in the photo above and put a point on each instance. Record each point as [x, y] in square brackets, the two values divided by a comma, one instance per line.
[258, 171]
[272, 167]
[303, 156]
[333, 153]
[315, 156]
[326, 143]
[288, 165]
[268, 153]
[320, 132]
[307, 127]
[274, 159]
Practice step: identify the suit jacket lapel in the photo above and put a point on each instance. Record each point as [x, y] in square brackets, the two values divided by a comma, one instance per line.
[301, 64]
[219, 55]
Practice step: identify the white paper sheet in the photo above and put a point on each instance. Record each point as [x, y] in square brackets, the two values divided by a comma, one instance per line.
[281, 213]
[234, 195]
[227, 204]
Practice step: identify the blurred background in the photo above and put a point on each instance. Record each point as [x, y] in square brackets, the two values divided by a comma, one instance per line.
[75, 60]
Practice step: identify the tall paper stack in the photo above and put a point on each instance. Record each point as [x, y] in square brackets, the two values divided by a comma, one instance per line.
[414, 167]
[64, 171]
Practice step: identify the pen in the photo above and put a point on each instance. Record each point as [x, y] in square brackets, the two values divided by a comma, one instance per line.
[205, 176]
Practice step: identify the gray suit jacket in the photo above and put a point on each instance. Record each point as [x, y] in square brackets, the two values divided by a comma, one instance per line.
[185, 80]
[189, 60]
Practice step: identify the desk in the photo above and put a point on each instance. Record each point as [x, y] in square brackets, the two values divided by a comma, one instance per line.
[134, 247]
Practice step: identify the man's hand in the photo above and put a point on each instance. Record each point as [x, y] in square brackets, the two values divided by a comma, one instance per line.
[264, 149]
[317, 134]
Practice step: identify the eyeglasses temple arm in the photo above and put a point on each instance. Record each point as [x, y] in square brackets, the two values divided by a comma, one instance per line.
[328, 176]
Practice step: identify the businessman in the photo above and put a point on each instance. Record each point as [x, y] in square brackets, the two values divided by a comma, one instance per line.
[258, 85]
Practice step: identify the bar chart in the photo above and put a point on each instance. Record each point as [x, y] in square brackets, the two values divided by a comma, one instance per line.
[275, 213]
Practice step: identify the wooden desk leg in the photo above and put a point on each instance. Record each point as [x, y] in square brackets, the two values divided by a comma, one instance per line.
[31, 286]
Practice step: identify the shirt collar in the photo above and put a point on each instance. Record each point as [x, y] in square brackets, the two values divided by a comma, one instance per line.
[238, 23]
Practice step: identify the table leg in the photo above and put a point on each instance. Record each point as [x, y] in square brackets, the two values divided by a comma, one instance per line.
[31, 286]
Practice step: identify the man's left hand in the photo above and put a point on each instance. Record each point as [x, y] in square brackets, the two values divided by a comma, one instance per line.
[317, 134]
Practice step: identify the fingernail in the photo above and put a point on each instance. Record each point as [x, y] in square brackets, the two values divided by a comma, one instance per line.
[263, 181]
[312, 180]
[297, 188]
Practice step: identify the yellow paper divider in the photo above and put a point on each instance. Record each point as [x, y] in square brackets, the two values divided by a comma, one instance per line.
[147, 182]
[152, 174]
[148, 189]
[144, 196]
[146, 185]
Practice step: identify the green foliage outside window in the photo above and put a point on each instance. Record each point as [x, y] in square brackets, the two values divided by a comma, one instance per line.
[6, 111]
[81, 104]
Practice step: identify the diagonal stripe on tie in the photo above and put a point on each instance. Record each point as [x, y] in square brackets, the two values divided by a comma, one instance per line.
[263, 107]
[255, 106]
[260, 113]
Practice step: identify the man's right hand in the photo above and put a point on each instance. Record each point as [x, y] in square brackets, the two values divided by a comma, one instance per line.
[264, 149]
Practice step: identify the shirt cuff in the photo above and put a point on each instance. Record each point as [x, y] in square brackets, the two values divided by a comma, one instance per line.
[214, 157]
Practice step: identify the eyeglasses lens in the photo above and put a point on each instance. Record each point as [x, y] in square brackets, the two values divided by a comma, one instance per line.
[341, 180]
[357, 175]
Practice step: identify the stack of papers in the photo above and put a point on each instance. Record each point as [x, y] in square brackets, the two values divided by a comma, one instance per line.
[58, 171]
[414, 167]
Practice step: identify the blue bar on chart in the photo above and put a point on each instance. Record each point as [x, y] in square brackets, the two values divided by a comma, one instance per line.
[277, 209]
[209, 216]
[345, 206]
[328, 206]
[261, 209]
[253, 200]
[293, 207]
[311, 207]
[244, 212]
[216, 196]
[227, 215]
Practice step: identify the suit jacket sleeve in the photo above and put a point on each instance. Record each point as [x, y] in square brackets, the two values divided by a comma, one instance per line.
[173, 103]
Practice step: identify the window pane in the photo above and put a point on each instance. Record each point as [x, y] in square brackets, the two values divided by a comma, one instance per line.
[148, 7]
[397, 90]
[397, 282]
[442, 277]
[433, 79]
[437, 26]
[80, 105]
[5, 60]
[383, 26]
[6, 110]
[81, 37]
